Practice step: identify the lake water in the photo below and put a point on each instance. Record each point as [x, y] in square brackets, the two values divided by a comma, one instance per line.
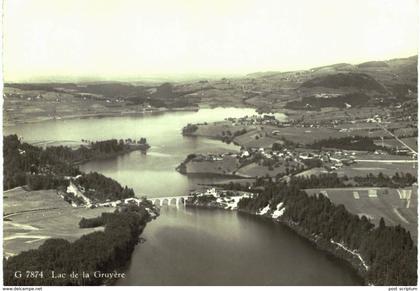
[152, 174]
[193, 246]
[217, 247]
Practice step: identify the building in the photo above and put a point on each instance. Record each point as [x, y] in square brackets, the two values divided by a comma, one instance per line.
[74, 189]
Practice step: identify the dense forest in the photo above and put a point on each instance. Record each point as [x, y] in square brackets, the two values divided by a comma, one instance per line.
[389, 251]
[189, 129]
[100, 188]
[49, 168]
[332, 180]
[97, 149]
[22, 160]
[103, 251]
[399, 180]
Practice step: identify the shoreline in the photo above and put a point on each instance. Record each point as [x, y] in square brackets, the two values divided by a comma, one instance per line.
[97, 115]
[113, 155]
[217, 175]
[328, 247]
[322, 244]
[331, 248]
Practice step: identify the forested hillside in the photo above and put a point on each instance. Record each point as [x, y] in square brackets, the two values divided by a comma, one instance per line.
[389, 251]
[101, 252]
[51, 168]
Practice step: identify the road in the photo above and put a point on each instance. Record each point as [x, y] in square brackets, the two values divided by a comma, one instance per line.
[397, 138]
[387, 161]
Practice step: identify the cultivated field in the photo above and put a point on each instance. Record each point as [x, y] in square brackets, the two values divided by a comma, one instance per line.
[31, 217]
[396, 206]
[314, 171]
[255, 170]
[393, 143]
[223, 167]
[304, 135]
[375, 167]
[256, 139]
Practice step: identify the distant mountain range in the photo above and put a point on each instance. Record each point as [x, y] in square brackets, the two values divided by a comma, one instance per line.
[373, 82]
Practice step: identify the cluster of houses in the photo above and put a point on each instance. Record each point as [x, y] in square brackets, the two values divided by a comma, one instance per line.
[260, 152]
[207, 192]
[326, 95]
[375, 119]
[329, 159]
[333, 160]
[254, 120]
[213, 157]
[116, 203]
[220, 193]
[18, 95]
[78, 192]
[320, 123]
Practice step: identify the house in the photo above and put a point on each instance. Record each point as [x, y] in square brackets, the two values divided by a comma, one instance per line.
[304, 157]
[245, 154]
[212, 192]
[74, 189]
[115, 203]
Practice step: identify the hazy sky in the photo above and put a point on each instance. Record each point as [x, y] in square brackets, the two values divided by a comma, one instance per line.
[122, 38]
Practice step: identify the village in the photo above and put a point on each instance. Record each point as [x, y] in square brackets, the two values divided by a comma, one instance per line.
[352, 142]
[275, 162]
[217, 198]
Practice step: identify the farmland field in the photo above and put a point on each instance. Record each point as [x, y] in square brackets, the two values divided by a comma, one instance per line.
[314, 171]
[305, 135]
[376, 167]
[216, 129]
[396, 206]
[393, 143]
[255, 170]
[256, 139]
[226, 166]
[31, 217]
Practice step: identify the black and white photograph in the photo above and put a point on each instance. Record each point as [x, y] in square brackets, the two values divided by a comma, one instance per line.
[210, 143]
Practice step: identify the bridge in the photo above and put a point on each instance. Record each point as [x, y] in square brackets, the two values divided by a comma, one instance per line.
[160, 201]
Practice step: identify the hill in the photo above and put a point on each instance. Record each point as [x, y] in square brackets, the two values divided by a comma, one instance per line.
[373, 64]
[357, 80]
[386, 81]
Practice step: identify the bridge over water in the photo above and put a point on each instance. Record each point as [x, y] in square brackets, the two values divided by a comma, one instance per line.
[169, 200]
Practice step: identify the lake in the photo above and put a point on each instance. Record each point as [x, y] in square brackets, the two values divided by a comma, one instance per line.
[193, 246]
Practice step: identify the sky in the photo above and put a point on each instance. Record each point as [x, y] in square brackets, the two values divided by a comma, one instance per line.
[134, 39]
